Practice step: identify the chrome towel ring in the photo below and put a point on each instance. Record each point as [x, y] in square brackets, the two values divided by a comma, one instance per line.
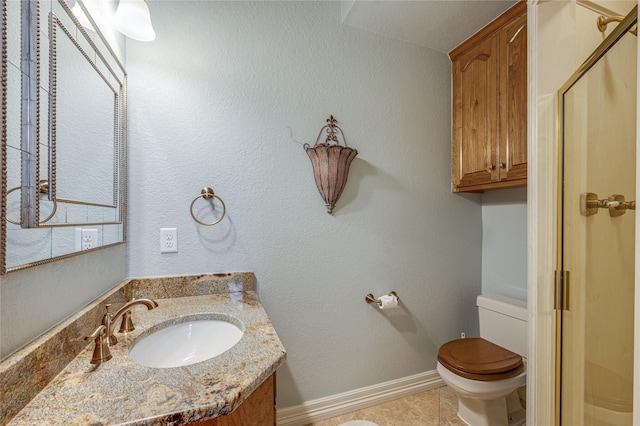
[43, 188]
[207, 194]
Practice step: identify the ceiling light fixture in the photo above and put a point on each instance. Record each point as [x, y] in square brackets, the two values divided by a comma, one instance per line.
[81, 17]
[132, 18]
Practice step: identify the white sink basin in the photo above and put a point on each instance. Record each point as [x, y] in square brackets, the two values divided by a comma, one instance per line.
[186, 343]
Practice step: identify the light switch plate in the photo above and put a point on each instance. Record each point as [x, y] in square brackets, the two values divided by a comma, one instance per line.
[168, 240]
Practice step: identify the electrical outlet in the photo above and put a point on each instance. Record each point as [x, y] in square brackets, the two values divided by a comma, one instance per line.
[86, 238]
[168, 240]
[462, 335]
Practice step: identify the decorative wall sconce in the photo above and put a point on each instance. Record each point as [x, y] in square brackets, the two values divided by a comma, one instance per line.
[331, 162]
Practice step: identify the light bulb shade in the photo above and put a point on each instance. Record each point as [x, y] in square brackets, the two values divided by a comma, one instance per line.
[81, 17]
[132, 18]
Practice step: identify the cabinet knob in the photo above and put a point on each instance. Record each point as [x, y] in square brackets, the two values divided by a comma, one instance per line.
[491, 167]
[502, 165]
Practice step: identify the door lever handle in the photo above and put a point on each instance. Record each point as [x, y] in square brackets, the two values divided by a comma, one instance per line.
[589, 204]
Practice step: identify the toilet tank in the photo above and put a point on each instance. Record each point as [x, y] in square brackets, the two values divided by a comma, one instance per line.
[503, 321]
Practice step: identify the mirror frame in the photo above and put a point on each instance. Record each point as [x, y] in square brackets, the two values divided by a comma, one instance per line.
[31, 186]
[56, 24]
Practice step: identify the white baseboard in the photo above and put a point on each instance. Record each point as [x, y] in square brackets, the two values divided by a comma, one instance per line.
[347, 402]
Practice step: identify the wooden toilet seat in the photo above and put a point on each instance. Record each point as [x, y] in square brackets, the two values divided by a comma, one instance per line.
[479, 359]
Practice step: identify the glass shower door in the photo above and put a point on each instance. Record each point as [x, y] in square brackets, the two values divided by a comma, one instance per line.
[597, 235]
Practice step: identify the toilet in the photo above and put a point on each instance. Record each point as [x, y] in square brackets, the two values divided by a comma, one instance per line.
[486, 372]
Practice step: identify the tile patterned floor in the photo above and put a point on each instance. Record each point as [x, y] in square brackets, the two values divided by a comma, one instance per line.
[436, 407]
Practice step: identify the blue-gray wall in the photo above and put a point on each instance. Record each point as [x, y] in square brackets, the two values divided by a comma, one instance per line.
[212, 100]
[504, 242]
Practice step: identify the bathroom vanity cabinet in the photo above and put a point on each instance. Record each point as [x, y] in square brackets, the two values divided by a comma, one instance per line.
[489, 146]
[258, 409]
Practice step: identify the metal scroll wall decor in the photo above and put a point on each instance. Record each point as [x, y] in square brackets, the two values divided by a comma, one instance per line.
[331, 162]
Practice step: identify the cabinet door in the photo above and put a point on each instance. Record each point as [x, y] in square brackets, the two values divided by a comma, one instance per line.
[257, 410]
[475, 115]
[513, 102]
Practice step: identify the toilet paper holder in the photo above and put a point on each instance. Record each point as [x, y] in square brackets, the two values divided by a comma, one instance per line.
[369, 298]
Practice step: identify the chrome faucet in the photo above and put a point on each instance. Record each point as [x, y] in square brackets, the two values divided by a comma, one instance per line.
[103, 335]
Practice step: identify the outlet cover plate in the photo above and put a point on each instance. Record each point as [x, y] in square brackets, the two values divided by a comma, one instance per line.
[168, 240]
[86, 238]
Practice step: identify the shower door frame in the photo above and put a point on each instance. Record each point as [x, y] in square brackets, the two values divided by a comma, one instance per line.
[562, 282]
[551, 40]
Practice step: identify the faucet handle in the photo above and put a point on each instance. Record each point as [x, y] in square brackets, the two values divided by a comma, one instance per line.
[101, 352]
[96, 333]
[106, 321]
[127, 323]
[106, 318]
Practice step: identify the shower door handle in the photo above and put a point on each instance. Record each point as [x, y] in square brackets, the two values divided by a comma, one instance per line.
[589, 204]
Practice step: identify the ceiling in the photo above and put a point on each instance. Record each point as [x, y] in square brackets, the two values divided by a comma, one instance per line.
[436, 24]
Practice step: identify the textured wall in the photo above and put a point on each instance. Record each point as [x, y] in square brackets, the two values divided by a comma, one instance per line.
[210, 102]
[34, 300]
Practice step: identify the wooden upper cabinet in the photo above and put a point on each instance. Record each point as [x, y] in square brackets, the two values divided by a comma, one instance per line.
[489, 147]
[476, 122]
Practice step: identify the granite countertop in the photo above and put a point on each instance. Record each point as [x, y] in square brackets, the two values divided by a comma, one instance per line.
[121, 391]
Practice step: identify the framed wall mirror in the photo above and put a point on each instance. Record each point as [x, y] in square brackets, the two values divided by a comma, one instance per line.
[64, 135]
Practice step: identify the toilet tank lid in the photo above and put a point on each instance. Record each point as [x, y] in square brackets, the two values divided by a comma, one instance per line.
[506, 305]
